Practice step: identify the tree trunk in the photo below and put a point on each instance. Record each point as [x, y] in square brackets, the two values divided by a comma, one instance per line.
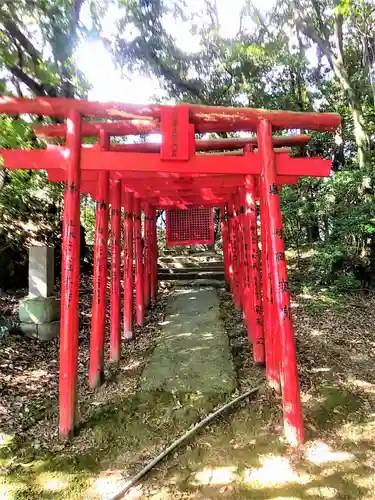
[335, 58]
[312, 231]
[360, 134]
[338, 65]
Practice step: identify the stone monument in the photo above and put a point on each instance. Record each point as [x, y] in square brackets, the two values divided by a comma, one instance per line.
[39, 312]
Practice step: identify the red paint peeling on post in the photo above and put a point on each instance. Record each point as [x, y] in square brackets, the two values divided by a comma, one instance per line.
[245, 265]
[153, 255]
[241, 251]
[70, 280]
[230, 246]
[115, 289]
[270, 325]
[255, 280]
[98, 313]
[128, 266]
[139, 295]
[146, 254]
[293, 425]
[235, 255]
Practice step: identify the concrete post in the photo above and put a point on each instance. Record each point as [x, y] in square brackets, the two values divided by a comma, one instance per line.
[39, 312]
[41, 271]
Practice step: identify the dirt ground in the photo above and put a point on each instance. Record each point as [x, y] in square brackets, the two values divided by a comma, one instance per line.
[240, 456]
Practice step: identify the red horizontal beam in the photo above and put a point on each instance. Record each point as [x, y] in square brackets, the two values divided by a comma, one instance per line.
[204, 194]
[134, 127]
[248, 117]
[50, 106]
[58, 175]
[153, 176]
[193, 199]
[184, 205]
[159, 178]
[92, 129]
[208, 146]
[93, 159]
[210, 116]
[169, 199]
[227, 144]
[240, 152]
[208, 182]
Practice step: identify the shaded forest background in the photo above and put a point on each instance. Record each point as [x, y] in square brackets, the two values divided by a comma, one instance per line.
[302, 55]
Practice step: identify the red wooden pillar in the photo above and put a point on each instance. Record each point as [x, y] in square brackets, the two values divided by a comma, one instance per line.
[245, 266]
[238, 238]
[230, 245]
[255, 281]
[98, 312]
[128, 266]
[271, 329]
[234, 243]
[224, 238]
[70, 279]
[153, 254]
[156, 283]
[293, 425]
[240, 247]
[115, 290]
[146, 255]
[139, 296]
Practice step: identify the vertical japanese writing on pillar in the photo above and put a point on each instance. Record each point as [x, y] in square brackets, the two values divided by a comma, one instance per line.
[69, 262]
[174, 134]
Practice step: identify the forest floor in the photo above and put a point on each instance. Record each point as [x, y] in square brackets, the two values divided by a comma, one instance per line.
[240, 455]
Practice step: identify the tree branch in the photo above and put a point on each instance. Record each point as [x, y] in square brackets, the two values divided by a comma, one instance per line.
[175, 79]
[168, 73]
[311, 33]
[338, 30]
[14, 32]
[35, 87]
[213, 13]
[260, 17]
[66, 84]
[322, 26]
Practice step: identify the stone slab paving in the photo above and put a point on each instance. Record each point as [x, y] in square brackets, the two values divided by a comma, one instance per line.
[192, 353]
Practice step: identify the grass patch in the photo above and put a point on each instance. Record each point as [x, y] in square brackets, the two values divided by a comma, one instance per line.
[240, 455]
[125, 431]
[335, 407]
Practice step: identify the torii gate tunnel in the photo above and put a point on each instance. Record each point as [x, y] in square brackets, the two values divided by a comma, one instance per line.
[181, 173]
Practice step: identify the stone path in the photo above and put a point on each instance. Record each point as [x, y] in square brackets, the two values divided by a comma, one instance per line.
[192, 354]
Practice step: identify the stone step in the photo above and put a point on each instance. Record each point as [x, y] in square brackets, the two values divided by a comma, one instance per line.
[190, 274]
[205, 266]
[190, 270]
[200, 282]
[194, 258]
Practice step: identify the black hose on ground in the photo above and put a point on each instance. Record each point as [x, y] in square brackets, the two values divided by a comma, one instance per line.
[129, 484]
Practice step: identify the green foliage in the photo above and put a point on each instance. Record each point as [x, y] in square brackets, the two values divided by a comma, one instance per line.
[341, 211]
[29, 206]
[266, 63]
[30, 211]
[37, 44]
[14, 133]
[88, 218]
[8, 325]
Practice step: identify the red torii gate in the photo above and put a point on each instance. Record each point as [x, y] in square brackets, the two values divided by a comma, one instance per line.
[172, 174]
